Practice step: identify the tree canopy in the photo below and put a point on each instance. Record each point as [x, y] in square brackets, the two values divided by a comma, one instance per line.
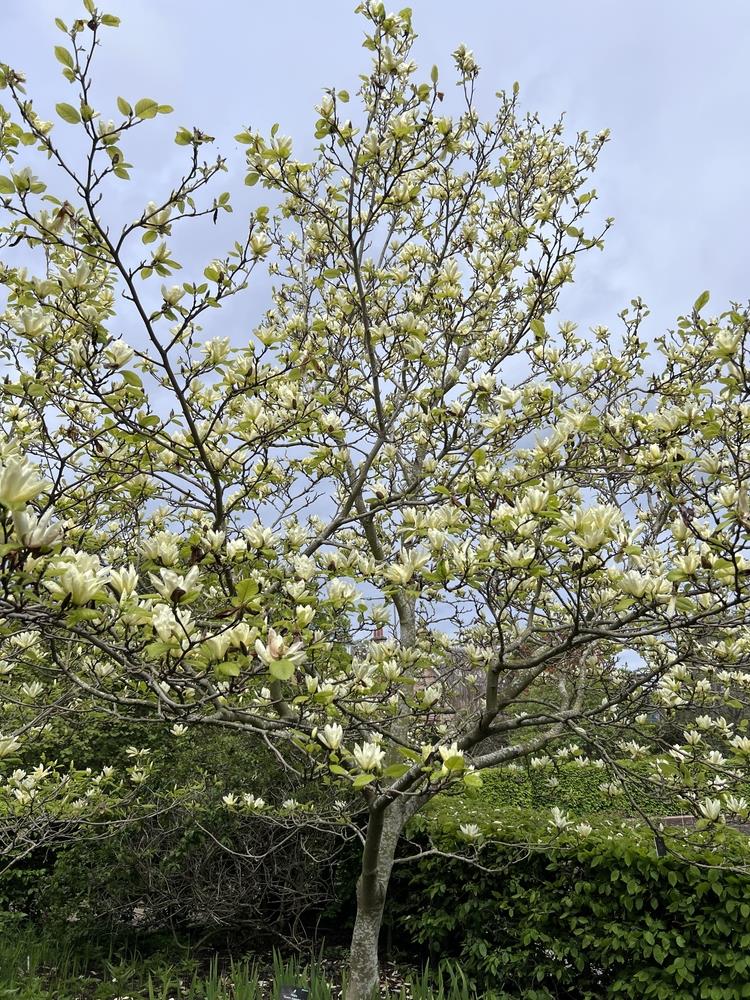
[411, 478]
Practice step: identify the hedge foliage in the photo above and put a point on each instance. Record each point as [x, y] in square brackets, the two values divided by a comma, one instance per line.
[579, 917]
[574, 787]
[583, 918]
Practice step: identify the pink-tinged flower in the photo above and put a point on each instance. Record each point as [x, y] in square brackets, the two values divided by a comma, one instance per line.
[275, 648]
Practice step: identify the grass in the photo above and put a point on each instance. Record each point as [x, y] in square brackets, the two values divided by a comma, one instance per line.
[38, 968]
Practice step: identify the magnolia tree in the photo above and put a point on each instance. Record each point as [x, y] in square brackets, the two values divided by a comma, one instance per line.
[410, 441]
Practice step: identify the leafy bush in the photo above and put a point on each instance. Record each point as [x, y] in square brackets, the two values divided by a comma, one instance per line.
[574, 787]
[187, 864]
[583, 917]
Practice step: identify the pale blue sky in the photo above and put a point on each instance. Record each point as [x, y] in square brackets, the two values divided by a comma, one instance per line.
[668, 78]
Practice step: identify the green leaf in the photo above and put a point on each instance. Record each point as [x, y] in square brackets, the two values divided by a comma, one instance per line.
[146, 108]
[111, 20]
[130, 378]
[229, 669]
[396, 770]
[590, 423]
[245, 590]
[124, 107]
[68, 113]
[361, 780]
[684, 605]
[282, 670]
[434, 74]
[64, 56]
[537, 326]
[701, 301]
[6, 185]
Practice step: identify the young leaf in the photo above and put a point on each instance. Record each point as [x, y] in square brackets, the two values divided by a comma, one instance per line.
[282, 670]
[146, 108]
[68, 113]
[123, 107]
[62, 55]
[701, 301]
[361, 780]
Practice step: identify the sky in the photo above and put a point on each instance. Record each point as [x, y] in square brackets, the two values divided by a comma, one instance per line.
[668, 78]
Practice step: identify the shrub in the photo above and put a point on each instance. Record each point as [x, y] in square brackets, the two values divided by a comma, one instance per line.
[583, 918]
[574, 787]
[188, 864]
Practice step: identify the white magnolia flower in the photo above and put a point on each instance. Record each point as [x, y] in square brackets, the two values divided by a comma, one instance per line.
[124, 580]
[560, 819]
[169, 625]
[215, 647]
[304, 567]
[410, 562]
[179, 729]
[173, 587]
[368, 756]
[77, 575]
[331, 735]
[236, 548]
[230, 800]
[738, 806]
[251, 801]
[470, 830]
[341, 592]
[260, 244]
[19, 482]
[36, 532]
[304, 614]
[452, 757]
[275, 648]
[242, 634]
[215, 539]
[117, 353]
[172, 294]
[8, 745]
[162, 547]
[296, 589]
[216, 350]
[259, 537]
[711, 809]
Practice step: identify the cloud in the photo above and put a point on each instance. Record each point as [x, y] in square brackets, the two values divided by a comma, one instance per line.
[669, 79]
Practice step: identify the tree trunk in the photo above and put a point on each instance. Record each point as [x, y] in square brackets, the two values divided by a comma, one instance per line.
[383, 832]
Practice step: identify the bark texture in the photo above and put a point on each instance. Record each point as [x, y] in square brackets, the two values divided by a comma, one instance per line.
[383, 832]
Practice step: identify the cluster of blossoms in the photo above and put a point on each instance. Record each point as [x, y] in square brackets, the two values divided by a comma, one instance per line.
[412, 528]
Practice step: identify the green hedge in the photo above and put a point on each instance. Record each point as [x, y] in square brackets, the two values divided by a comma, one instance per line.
[583, 918]
[576, 788]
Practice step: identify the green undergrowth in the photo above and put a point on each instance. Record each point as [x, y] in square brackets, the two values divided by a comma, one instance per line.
[38, 967]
